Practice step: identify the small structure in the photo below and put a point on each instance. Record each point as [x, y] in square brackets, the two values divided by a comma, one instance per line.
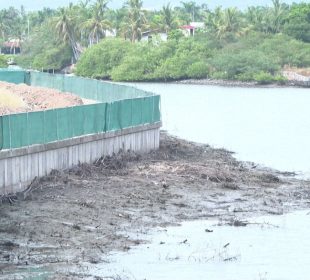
[189, 30]
[110, 33]
[12, 46]
[150, 34]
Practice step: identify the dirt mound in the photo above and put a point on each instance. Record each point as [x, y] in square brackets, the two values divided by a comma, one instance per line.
[23, 98]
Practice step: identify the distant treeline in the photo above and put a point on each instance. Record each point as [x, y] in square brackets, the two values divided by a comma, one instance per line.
[233, 44]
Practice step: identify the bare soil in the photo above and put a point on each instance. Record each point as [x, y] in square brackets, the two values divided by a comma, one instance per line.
[71, 219]
[301, 71]
[23, 98]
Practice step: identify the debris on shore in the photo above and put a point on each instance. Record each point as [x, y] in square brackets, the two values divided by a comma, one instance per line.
[74, 217]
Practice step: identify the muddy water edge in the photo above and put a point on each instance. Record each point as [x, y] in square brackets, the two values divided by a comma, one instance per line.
[70, 220]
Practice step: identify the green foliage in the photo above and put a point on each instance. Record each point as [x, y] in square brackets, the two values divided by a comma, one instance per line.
[134, 68]
[54, 55]
[257, 53]
[3, 61]
[265, 78]
[122, 61]
[54, 58]
[198, 70]
[138, 65]
[175, 35]
[242, 63]
[98, 61]
[249, 45]
[298, 24]
[286, 50]
[254, 57]
[188, 59]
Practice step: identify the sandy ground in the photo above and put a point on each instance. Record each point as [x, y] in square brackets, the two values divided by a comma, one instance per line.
[23, 98]
[71, 219]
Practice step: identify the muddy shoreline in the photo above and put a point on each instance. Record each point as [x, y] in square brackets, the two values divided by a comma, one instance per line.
[232, 83]
[71, 219]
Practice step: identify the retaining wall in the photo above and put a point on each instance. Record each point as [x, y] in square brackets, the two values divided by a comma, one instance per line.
[18, 167]
[34, 143]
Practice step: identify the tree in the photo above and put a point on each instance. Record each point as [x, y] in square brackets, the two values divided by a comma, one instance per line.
[256, 18]
[118, 17]
[65, 29]
[224, 22]
[36, 18]
[3, 28]
[136, 20]
[97, 25]
[276, 16]
[167, 18]
[11, 21]
[192, 10]
[54, 54]
[298, 24]
[96, 29]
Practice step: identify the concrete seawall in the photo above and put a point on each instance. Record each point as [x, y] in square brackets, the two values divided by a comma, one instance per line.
[19, 167]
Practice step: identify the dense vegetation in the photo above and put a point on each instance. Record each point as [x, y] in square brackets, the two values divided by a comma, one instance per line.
[253, 57]
[254, 44]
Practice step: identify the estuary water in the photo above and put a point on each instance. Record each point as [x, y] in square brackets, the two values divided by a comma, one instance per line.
[269, 248]
[269, 126]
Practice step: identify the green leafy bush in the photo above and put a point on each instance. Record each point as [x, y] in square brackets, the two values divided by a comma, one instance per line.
[43, 51]
[54, 58]
[243, 63]
[298, 22]
[263, 78]
[198, 70]
[254, 57]
[3, 61]
[99, 60]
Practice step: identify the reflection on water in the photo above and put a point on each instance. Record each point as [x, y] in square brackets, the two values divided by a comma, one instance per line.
[270, 126]
[272, 247]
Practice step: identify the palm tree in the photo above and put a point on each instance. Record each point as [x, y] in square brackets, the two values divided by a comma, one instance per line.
[96, 28]
[191, 9]
[231, 20]
[118, 20]
[276, 17]
[136, 20]
[225, 21]
[256, 17]
[3, 28]
[101, 7]
[66, 29]
[167, 18]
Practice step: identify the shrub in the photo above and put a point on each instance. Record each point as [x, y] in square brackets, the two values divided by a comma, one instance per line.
[98, 61]
[263, 78]
[3, 61]
[198, 70]
[55, 58]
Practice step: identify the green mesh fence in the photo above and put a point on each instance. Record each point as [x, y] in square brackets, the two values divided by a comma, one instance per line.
[14, 76]
[119, 107]
[87, 88]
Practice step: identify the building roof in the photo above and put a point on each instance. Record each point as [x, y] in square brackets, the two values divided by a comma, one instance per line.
[187, 27]
[13, 43]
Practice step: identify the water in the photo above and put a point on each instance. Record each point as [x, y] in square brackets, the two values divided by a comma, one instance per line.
[273, 248]
[270, 126]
